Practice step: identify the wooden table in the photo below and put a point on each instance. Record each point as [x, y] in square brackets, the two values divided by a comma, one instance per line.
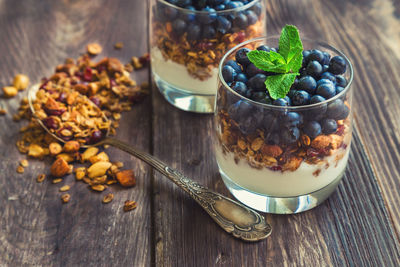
[359, 225]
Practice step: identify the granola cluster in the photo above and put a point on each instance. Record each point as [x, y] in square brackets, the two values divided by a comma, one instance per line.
[259, 154]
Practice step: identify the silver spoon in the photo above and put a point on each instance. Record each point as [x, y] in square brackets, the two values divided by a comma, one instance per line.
[235, 218]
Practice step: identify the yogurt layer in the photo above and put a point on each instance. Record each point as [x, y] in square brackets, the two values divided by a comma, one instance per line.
[178, 76]
[283, 184]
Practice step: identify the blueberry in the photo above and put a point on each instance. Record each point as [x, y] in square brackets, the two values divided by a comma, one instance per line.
[240, 88]
[170, 13]
[291, 93]
[208, 32]
[337, 110]
[241, 77]
[288, 100]
[322, 81]
[280, 102]
[272, 139]
[312, 129]
[306, 53]
[303, 72]
[249, 124]
[314, 69]
[292, 119]
[257, 8]
[223, 25]
[252, 70]
[301, 98]
[258, 96]
[316, 55]
[220, 7]
[316, 99]
[339, 89]
[240, 21]
[184, 3]
[241, 56]
[249, 93]
[234, 65]
[325, 68]
[233, 4]
[329, 76]
[327, 58]
[193, 32]
[341, 81]
[209, 17]
[240, 109]
[179, 26]
[290, 135]
[328, 126]
[308, 84]
[228, 73]
[295, 84]
[264, 48]
[188, 15]
[327, 90]
[257, 82]
[251, 17]
[337, 65]
[200, 4]
[266, 100]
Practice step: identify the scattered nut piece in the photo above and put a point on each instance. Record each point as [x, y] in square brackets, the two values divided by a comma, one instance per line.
[98, 187]
[136, 63]
[24, 163]
[65, 188]
[56, 181]
[41, 178]
[119, 164]
[35, 151]
[102, 156]
[21, 81]
[55, 148]
[126, 178]
[119, 45]
[272, 150]
[65, 198]
[59, 168]
[98, 169]
[20, 169]
[108, 198]
[10, 91]
[71, 146]
[67, 157]
[89, 152]
[94, 48]
[79, 175]
[257, 144]
[130, 205]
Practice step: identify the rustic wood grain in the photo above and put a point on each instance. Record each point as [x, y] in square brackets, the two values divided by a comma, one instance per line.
[35, 228]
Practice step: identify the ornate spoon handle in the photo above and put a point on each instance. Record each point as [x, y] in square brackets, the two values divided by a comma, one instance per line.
[232, 216]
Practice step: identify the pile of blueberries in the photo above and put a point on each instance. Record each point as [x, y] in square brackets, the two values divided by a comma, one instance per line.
[320, 79]
[206, 25]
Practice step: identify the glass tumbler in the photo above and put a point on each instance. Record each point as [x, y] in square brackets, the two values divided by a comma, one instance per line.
[186, 46]
[273, 158]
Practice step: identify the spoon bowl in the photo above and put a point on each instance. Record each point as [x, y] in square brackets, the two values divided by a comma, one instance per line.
[235, 218]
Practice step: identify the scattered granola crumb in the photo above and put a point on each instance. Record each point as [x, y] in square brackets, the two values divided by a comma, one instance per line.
[65, 188]
[24, 163]
[94, 48]
[20, 169]
[108, 198]
[41, 178]
[98, 187]
[317, 172]
[65, 198]
[130, 205]
[10, 91]
[21, 81]
[56, 181]
[119, 45]
[136, 63]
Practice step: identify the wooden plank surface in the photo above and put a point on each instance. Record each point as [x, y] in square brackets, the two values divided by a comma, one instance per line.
[359, 225]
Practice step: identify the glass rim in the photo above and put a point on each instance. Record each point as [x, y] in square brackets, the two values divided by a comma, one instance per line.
[304, 107]
[185, 10]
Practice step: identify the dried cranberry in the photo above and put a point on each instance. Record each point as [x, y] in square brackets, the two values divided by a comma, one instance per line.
[78, 74]
[96, 137]
[62, 97]
[240, 37]
[275, 168]
[204, 45]
[340, 130]
[50, 123]
[44, 83]
[101, 68]
[145, 59]
[88, 74]
[312, 152]
[55, 112]
[95, 100]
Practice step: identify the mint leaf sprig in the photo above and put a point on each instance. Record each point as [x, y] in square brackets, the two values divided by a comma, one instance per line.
[286, 63]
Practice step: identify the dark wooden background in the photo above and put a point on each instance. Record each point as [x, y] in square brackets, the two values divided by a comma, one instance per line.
[359, 225]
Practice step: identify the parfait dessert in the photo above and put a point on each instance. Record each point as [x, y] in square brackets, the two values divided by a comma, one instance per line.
[188, 40]
[283, 122]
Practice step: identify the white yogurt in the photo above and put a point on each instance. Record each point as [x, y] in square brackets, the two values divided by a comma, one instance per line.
[283, 184]
[178, 76]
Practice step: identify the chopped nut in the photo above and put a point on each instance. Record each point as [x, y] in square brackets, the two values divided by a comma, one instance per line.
[292, 164]
[136, 63]
[10, 91]
[126, 178]
[130, 205]
[98, 169]
[119, 45]
[119, 164]
[102, 156]
[35, 151]
[257, 144]
[67, 157]
[21, 81]
[321, 141]
[94, 48]
[56, 181]
[272, 150]
[20, 169]
[241, 144]
[55, 148]
[71, 146]
[79, 175]
[89, 152]
[59, 168]
[98, 187]
[65, 198]
[41, 178]
[65, 188]
[108, 198]
[24, 163]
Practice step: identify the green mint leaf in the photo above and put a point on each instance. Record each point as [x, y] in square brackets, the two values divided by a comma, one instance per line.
[279, 85]
[291, 48]
[268, 61]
